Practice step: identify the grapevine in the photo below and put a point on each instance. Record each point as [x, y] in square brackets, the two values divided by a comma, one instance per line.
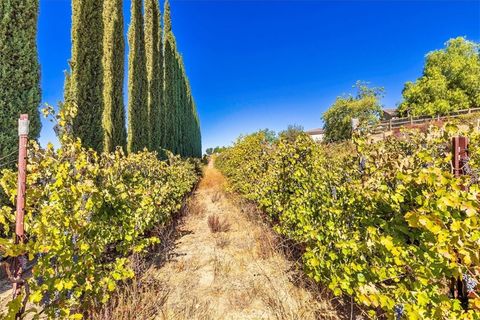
[385, 222]
[86, 213]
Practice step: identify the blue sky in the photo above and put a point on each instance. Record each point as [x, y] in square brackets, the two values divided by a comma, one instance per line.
[268, 64]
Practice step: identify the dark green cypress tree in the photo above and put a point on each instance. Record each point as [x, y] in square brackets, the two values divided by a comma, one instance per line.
[19, 74]
[178, 107]
[169, 81]
[198, 140]
[113, 65]
[138, 123]
[85, 87]
[184, 111]
[153, 47]
[191, 123]
[179, 117]
[160, 116]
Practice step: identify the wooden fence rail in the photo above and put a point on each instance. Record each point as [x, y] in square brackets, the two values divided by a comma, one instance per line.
[391, 124]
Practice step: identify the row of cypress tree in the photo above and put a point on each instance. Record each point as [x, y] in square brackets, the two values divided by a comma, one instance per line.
[161, 110]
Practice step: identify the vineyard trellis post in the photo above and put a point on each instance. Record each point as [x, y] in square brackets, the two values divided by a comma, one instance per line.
[460, 153]
[19, 264]
[460, 157]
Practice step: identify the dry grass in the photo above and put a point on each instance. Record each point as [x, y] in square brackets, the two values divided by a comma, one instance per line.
[141, 299]
[195, 208]
[242, 299]
[216, 224]
[266, 244]
[213, 180]
[222, 241]
[221, 267]
[216, 197]
[186, 310]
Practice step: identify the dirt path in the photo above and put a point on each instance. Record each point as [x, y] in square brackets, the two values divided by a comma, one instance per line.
[237, 273]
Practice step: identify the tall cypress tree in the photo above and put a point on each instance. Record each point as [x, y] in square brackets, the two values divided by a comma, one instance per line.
[19, 73]
[138, 128]
[113, 65]
[183, 110]
[169, 81]
[176, 107]
[179, 116]
[85, 87]
[154, 70]
[160, 117]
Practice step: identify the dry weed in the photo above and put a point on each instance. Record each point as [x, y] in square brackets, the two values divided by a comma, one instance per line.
[216, 197]
[266, 244]
[218, 225]
[220, 267]
[222, 241]
[195, 207]
[191, 309]
[141, 299]
[241, 299]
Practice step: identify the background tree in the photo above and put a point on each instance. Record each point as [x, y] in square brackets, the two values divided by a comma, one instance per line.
[365, 106]
[113, 65]
[138, 123]
[292, 132]
[19, 74]
[153, 49]
[450, 81]
[84, 88]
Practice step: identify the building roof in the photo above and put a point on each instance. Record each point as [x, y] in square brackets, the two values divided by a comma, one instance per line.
[391, 111]
[313, 132]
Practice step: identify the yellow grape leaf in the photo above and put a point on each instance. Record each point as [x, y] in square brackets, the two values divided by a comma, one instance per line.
[36, 297]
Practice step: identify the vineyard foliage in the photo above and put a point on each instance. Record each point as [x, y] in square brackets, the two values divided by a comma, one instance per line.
[85, 214]
[385, 222]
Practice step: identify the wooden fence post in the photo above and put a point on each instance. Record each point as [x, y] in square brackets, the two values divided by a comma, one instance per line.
[20, 262]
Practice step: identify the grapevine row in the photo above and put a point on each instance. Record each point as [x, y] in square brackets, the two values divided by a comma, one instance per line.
[384, 222]
[86, 213]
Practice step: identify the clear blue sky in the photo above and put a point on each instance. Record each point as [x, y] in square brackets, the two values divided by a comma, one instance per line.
[268, 64]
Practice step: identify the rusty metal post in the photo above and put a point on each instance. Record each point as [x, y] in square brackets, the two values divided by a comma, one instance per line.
[459, 151]
[20, 262]
[460, 157]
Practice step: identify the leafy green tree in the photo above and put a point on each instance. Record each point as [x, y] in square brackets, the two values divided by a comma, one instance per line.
[219, 149]
[450, 81]
[84, 88]
[209, 151]
[19, 73]
[153, 48]
[365, 106]
[138, 122]
[292, 132]
[113, 65]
